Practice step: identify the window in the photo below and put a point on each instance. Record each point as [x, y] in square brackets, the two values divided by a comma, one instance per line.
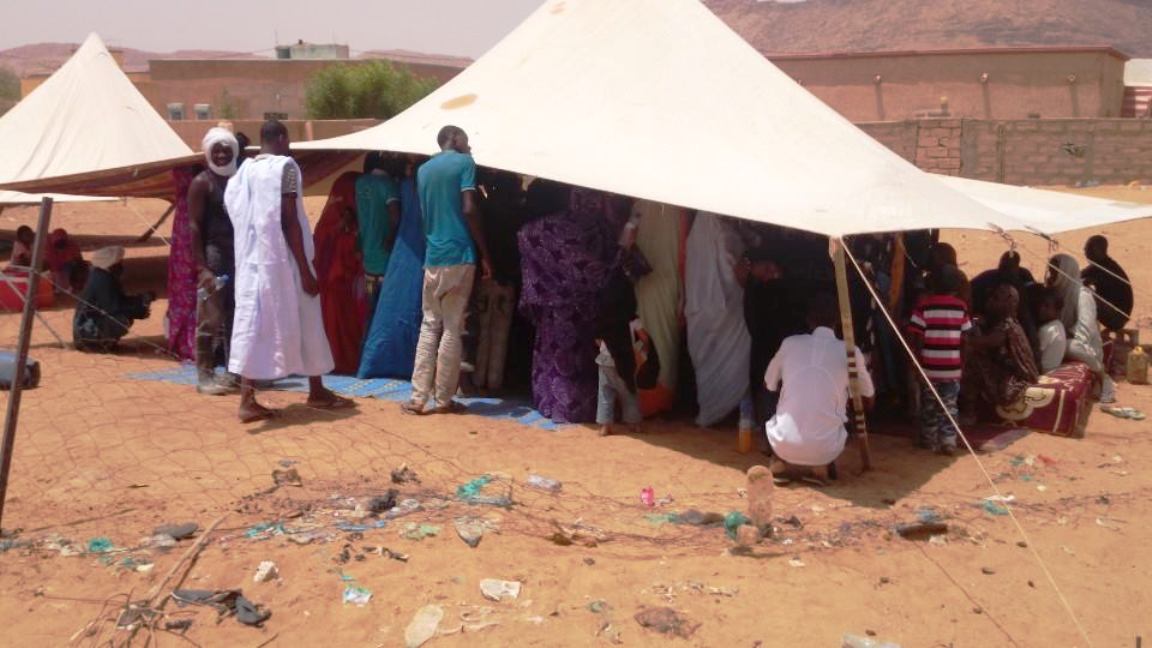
[203, 111]
[176, 112]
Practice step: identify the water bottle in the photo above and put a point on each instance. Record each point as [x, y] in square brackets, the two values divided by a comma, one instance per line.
[544, 483]
[219, 282]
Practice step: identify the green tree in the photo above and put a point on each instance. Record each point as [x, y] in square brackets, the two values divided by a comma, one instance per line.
[376, 90]
[9, 89]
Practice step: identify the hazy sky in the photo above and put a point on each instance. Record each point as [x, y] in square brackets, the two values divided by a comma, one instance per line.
[460, 27]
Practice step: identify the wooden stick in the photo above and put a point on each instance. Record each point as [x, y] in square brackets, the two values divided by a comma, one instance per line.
[859, 422]
[152, 230]
[188, 555]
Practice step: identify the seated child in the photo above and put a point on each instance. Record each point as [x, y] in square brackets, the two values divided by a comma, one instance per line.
[1052, 336]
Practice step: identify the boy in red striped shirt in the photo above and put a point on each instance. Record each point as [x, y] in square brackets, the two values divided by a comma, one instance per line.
[938, 329]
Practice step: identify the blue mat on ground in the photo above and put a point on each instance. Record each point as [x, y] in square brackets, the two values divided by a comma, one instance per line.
[383, 388]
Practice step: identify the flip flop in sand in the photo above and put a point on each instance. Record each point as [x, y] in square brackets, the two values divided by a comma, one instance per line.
[1124, 412]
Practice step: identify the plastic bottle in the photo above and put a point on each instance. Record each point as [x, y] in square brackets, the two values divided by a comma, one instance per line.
[648, 497]
[856, 641]
[544, 483]
[202, 293]
[1138, 366]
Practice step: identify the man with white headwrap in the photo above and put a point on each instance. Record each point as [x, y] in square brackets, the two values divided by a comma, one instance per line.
[278, 329]
[212, 251]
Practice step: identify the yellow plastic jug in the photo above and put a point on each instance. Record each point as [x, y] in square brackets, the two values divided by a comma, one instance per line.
[1138, 366]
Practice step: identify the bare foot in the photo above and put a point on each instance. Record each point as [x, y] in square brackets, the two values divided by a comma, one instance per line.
[327, 400]
[605, 430]
[414, 409]
[254, 412]
[451, 408]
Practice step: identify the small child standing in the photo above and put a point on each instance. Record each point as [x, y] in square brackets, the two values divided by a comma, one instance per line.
[614, 388]
[1053, 337]
[938, 327]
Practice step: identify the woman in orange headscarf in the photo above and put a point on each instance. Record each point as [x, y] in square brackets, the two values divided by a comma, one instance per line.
[340, 272]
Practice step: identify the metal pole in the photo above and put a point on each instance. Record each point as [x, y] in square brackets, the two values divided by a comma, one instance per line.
[859, 421]
[22, 343]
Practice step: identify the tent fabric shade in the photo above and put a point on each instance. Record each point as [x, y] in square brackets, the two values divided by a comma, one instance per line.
[85, 120]
[660, 100]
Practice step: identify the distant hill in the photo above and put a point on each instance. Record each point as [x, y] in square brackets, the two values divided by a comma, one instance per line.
[45, 58]
[792, 26]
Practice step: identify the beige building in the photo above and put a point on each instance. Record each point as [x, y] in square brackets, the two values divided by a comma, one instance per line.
[986, 83]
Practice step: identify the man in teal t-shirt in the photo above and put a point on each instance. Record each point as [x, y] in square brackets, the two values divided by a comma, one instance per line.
[447, 188]
[378, 218]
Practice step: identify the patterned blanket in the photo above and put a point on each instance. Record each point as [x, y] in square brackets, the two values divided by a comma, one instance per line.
[1060, 404]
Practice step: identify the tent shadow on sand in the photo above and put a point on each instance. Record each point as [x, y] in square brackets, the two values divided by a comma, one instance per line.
[899, 469]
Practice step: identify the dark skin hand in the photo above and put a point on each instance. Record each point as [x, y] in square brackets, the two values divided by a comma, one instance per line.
[294, 235]
[476, 228]
[197, 201]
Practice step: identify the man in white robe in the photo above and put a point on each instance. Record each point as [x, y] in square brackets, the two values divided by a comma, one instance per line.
[278, 329]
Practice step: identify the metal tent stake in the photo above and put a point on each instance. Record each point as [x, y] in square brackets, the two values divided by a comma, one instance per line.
[22, 344]
[859, 421]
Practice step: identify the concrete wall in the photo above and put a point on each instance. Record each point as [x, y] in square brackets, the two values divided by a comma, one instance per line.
[1021, 83]
[1025, 152]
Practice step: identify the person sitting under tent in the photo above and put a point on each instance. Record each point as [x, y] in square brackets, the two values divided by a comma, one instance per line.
[1009, 272]
[105, 314]
[278, 329]
[1000, 364]
[1080, 321]
[22, 247]
[807, 432]
[1053, 338]
[1114, 298]
[65, 261]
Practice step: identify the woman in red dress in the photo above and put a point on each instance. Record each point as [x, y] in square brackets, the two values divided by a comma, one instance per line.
[340, 271]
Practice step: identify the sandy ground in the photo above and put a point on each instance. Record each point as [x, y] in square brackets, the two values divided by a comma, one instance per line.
[100, 455]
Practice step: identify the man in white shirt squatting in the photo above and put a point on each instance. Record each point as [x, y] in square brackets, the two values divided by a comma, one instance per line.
[807, 432]
[278, 330]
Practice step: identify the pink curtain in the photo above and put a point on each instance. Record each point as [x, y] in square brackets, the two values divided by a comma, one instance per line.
[180, 322]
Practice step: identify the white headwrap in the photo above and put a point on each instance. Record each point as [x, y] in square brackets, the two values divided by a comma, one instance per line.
[224, 136]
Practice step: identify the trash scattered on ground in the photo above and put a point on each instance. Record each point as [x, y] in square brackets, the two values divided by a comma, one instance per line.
[382, 503]
[660, 519]
[1000, 498]
[100, 545]
[729, 592]
[938, 540]
[796, 562]
[928, 515]
[579, 533]
[609, 631]
[405, 507]
[666, 621]
[761, 489]
[599, 606]
[356, 595]
[265, 530]
[361, 528]
[987, 571]
[993, 508]
[856, 641]
[178, 625]
[734, 521]
[793, 522]
[921, 530]
[177, 531]
[748, 535]
[470, 530]
[267, 571]
[417, 532]
[404, 475]
[139, 565]
[226, 603]
[159, 541]
[475, 492]
[288, 477]
[540, 482]
[698, 518]
[387, 553]
[499, 590]
[648, 496]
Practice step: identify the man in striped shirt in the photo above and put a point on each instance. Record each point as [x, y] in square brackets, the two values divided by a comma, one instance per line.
[938, 328]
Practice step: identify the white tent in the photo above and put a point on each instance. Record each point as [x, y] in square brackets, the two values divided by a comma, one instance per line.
[85, 119]
[659, 99]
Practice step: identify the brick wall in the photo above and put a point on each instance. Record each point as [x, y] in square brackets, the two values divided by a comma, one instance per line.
[1025, 152]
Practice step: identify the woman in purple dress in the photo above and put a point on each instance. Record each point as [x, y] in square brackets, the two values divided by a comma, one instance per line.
[567, 250]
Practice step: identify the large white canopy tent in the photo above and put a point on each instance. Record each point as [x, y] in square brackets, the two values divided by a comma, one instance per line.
[660, 100]
[85, 119]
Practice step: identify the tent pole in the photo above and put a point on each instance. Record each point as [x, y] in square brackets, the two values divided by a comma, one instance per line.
[859, 422]
[22, 344]
[143, 238]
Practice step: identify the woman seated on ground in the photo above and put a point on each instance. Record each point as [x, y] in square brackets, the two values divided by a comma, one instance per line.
[1079, 317]
[105, 313]
[22, 248]
[1001, 365]
[69, 269]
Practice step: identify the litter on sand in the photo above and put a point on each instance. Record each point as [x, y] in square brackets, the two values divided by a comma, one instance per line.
[499, 590]
[666, 621]
[357, 595]
[423, 626]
